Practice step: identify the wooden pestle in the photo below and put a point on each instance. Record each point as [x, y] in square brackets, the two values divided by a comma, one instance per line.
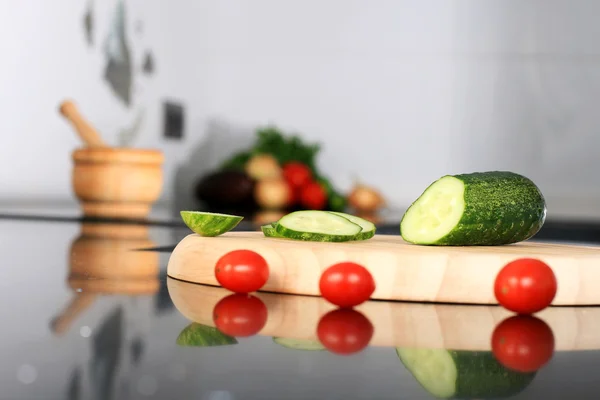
[83, 128]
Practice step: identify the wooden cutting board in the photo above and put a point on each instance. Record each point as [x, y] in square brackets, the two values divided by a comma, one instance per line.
[396, 324]
[401, 271]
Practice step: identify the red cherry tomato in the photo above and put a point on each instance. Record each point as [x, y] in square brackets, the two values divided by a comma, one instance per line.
[240, 315]
[346, 284]
[525, 286]
[344, 331]
[313, 196]
[242, 271]
[523, 343]
[297, 174]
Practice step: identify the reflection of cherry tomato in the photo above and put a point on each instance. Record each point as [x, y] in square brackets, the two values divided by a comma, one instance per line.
[297, 174]
[523, 343]
[344, 331]
[242, 271]
[346, 284]
[313, 196]
[525, 286]
[240, 315]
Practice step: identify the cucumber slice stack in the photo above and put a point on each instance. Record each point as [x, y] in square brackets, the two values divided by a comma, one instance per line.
[320, 226]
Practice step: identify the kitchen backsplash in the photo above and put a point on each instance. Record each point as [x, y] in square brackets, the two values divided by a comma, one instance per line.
[399, 92]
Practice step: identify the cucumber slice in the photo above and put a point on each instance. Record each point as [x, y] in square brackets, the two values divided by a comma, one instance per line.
[368, 228]
[209, 224]
[198, 335]
[269, 231]
[462, 374]
[482, 208]
[299, 344]
[317, 226]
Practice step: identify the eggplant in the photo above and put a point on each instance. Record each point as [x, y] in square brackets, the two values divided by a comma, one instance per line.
[226, 190]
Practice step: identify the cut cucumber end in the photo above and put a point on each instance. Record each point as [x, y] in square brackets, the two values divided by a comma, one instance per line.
[434, 369]
[368, 228]
[209, 224]
[269, 231]
[435, 213]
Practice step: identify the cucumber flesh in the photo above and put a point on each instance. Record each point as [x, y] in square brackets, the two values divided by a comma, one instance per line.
[435, 213]
[318, 226]
[209, 224]
[482, 208]
[368, 228]
[434, 369]
[299, 344]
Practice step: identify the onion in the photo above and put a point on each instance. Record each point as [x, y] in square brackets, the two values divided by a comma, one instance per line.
[272, 194]
[365, 199]
[263, 166]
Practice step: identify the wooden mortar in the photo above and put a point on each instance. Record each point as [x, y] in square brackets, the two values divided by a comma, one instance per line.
[112, 182]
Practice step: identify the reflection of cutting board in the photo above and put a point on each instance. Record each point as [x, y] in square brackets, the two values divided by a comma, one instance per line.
[401, 271]
[397, 324]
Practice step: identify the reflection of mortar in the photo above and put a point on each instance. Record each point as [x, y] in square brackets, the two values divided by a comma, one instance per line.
[112, 182]
[104, 260]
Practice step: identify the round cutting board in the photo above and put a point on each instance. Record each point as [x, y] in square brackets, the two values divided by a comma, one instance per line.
[402, 271]
[396, 324]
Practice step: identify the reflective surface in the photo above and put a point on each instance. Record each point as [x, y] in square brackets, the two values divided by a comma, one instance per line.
[89, 314]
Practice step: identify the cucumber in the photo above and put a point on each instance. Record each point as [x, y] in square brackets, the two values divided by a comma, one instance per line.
[462, 374]
[269, 231]
[198, 335]
[482, 208]
[317, 226]
[368, 228]
[209, 224]
[299, 344]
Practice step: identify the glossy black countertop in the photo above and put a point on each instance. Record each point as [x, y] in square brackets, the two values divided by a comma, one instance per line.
[89, 313]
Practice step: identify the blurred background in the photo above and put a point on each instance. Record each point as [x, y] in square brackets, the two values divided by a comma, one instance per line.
[396, 92]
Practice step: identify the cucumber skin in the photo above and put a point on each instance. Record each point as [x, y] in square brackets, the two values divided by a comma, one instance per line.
[501, 208]
[198, 335]
[270, 231]
[481, 376]
[217, 225]
[312, 236]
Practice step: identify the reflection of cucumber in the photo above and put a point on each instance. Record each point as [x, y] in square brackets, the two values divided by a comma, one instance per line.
[199, 335]
[317, 226]
[462, 374]
[299, 344]
[269, 231]
[209, 224]
[368, 228]
[483, 208]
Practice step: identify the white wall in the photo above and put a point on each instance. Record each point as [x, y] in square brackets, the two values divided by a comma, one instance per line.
[400, 92]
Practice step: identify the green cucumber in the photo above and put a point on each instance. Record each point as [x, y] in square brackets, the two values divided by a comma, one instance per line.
[368, 228]
[482, 208]
[198, 335]
[462, 374]
[317, 226]
[269, 231]
[299, 344]
[209, 224]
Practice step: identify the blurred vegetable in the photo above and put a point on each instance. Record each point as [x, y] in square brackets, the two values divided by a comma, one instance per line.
[272, 193]
[227, 188]
[365, 199]
[313, 196]
[263, 166]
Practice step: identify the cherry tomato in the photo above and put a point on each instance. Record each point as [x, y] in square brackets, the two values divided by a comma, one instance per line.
[242, 271]
[525, 286]
[240, 315]
[297, 174]
[346, 284]
[313, 196]
[523, 343]
[344, 331]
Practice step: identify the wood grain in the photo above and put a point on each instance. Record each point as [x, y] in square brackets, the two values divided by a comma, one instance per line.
[397, 324]
[401, 271]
